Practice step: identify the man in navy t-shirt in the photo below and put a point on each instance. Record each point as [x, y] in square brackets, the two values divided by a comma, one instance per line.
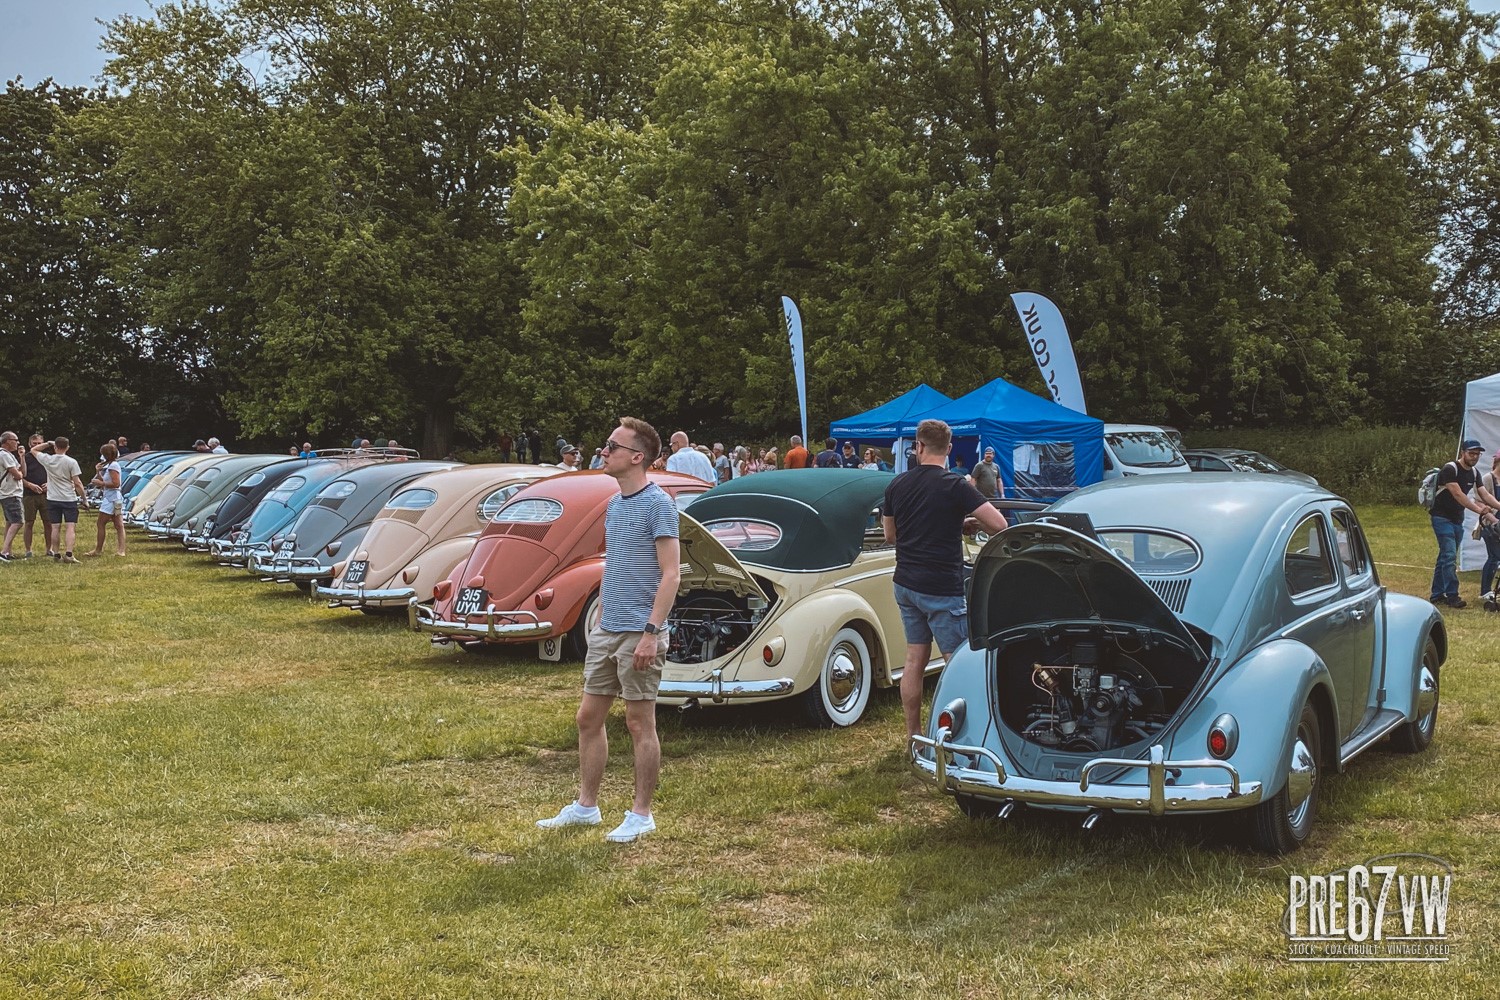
[924, 514]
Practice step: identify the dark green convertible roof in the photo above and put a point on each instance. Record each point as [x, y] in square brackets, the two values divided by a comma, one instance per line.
[822, 513]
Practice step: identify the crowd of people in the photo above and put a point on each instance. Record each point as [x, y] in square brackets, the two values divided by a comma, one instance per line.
[42, 481]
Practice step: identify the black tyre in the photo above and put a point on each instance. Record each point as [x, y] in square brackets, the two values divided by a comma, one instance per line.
[1416, 736]
[1280, 824]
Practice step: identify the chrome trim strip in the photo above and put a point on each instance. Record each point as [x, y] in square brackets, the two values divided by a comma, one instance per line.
[942, 768]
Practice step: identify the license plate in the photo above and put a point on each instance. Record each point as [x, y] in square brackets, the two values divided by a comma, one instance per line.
[287, 548]
[356, 572]
[471, 601]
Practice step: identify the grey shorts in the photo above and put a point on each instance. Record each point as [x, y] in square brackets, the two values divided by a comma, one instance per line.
[12, 508]
[927, 617]
[609, 667]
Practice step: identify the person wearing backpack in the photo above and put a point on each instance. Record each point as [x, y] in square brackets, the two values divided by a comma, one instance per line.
[1455, 481]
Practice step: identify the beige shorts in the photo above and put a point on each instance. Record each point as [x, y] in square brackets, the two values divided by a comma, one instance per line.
[609, 668]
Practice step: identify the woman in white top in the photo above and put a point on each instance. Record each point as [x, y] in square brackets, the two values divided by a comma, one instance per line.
[112, 506]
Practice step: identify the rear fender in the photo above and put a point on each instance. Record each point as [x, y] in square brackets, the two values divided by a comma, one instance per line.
[572, 586]
[1265, 692]
[809, 626]
[1408, 623]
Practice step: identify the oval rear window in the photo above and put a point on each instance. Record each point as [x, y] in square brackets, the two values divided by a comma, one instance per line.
[208, 474]
[337, 489]
[287, 488]
[254, 479]
[1151, 552]
[536, 510]
[742, 535]
[490, 505]
[419, 499]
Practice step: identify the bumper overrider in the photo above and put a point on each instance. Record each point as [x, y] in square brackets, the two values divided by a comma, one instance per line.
[159, 529]
[717, 690]
[227, 553]
[282, 569]
[935, 758]
[355, 597]
[497, 626]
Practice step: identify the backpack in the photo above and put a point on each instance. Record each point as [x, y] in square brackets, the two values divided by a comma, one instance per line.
[1427, 492]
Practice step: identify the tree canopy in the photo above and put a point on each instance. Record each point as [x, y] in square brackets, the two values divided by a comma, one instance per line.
[449, 218]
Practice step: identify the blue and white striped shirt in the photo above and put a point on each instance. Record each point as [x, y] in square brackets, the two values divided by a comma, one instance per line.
[632, 574]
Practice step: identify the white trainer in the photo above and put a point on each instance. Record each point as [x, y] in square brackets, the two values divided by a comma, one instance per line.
[572, 814]
[634, 827]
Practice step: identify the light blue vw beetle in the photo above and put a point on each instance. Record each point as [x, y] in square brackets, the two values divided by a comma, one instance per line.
[1180, 644]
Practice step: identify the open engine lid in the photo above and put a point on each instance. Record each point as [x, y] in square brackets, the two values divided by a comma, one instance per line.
[708, 565]
[1041, 574]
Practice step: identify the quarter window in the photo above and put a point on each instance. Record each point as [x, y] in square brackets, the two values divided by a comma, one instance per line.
[1350, 544]
[1308, 564]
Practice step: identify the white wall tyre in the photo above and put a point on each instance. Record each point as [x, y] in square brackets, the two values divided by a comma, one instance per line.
[842, 691]
[576, 646]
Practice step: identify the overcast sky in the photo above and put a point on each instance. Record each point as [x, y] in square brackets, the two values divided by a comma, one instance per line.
[60, 38]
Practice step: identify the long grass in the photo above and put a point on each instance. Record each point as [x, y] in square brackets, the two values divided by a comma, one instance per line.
[210, 787]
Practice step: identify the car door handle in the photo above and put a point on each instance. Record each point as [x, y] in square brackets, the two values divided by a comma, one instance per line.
[1358, 614]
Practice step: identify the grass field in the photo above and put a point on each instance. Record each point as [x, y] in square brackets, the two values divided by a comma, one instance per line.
[210, 787]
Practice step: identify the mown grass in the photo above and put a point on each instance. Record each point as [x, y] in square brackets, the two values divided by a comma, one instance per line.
[210, 787]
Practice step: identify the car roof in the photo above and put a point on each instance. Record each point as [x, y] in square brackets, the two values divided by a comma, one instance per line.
[1191, 502]
[822, 513]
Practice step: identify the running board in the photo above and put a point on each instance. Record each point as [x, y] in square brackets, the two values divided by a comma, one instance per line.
[933, 666]
[1385, 721]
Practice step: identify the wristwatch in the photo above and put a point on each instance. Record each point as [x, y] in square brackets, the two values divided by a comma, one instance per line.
[652, 629]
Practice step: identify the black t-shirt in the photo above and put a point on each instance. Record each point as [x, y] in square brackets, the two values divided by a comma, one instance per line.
[36, 473]
[929, 504]
[1443, 504]
[828, 459]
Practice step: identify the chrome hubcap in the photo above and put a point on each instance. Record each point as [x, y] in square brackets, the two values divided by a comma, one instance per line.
[1300, 779]
[1427, 700]
[843, 677]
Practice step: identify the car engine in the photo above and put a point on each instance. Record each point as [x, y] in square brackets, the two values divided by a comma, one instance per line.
[706, 625]
[1093, 693]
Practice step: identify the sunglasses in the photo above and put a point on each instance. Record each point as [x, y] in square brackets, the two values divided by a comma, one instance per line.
[611, 445]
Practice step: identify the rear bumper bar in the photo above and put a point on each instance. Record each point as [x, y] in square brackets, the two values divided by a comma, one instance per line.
[523, 625]
[935, 759]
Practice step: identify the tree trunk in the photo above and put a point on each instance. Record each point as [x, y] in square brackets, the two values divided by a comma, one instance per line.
[437, 431]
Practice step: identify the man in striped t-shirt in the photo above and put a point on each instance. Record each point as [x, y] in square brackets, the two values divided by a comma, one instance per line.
[629, 646]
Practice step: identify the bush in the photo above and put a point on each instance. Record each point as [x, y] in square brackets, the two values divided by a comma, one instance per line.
[1363, 465]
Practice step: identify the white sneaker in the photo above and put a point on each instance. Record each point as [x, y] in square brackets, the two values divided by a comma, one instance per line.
[572, 814]
[634, 827]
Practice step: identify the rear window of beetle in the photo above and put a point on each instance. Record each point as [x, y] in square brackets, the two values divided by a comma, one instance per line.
[533, 510]
[1152, 553]
[418, 499]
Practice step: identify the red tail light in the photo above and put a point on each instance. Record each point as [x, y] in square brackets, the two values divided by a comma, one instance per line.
[443, 589]
[544, 598]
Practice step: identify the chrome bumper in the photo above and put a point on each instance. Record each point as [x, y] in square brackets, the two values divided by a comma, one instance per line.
[1155, 797]
[718, 690]
[276, 569]
[227, 553]
[421, 619]
[158, 528]
[354, 597]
